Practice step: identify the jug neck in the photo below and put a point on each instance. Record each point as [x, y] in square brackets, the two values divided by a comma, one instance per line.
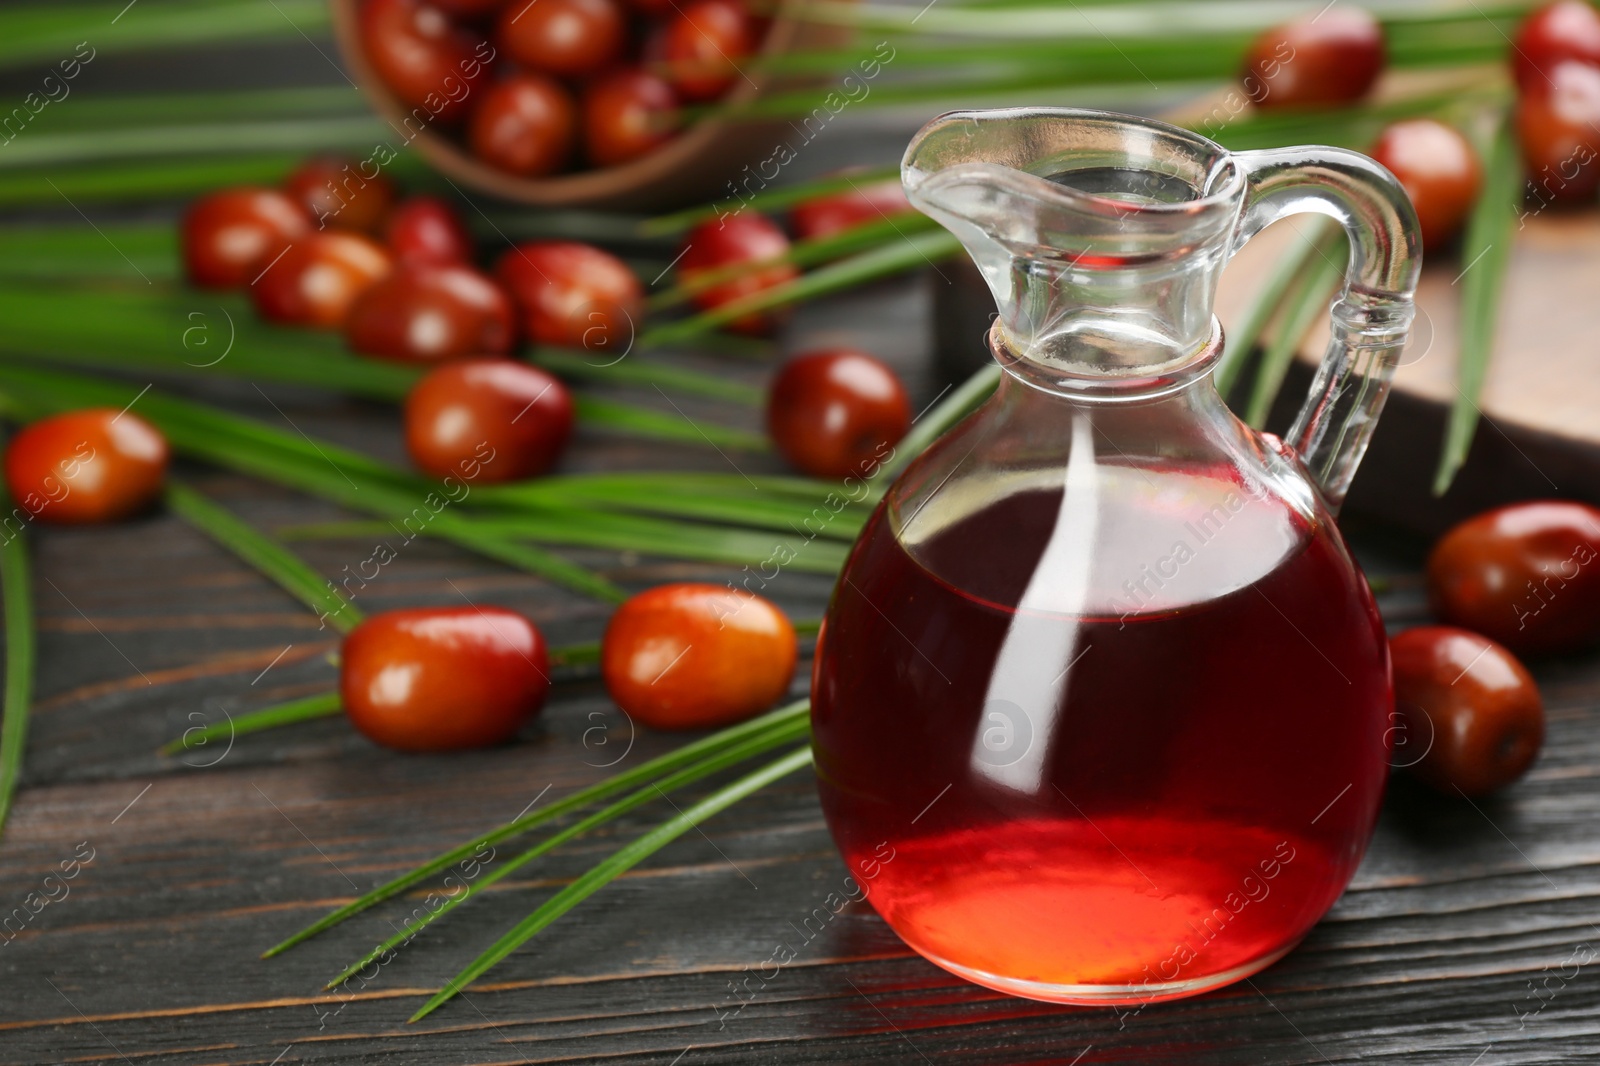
[1151, 370]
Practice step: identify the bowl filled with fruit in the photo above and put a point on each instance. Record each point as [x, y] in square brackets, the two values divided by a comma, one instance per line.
[571, 103]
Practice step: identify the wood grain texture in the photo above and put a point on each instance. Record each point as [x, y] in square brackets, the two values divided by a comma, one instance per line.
[202, 862]
[1453, 946]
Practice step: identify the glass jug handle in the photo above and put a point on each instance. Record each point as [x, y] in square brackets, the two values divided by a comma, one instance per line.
[1372, 314]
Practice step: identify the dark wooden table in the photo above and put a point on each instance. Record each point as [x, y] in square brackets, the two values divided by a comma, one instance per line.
[1467, 938]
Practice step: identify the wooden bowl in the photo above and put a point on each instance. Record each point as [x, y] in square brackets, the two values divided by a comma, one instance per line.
[695, 165]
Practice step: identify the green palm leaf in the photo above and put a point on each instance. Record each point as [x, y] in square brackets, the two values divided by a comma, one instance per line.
[17, 595]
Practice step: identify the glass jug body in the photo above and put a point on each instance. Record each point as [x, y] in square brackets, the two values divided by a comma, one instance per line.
[1100, 677]
[1096, 711]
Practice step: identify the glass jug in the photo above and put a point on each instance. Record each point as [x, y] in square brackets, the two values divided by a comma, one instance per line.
[1101, 696]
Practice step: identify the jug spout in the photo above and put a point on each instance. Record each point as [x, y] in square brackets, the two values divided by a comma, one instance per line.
[1102, 237]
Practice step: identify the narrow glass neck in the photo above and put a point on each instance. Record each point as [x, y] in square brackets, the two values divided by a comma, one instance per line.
[1111, 369]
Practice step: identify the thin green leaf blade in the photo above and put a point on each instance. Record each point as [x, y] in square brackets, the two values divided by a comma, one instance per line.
[49, 32]
[895, 257]
[535, 560]
[766, 200]
[209, 140]
[17, 594]
[660, 425]
[1265, 303]
[221, 336]
[1314, 286]
[647, 373]
[327, 704]
[608, 870]
[612, 785]
[291, 573]
[803, 253]
[958, 404]
[624, 532]
[322, 705]
[322, 468]
[722, 760]
[1486, 249]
